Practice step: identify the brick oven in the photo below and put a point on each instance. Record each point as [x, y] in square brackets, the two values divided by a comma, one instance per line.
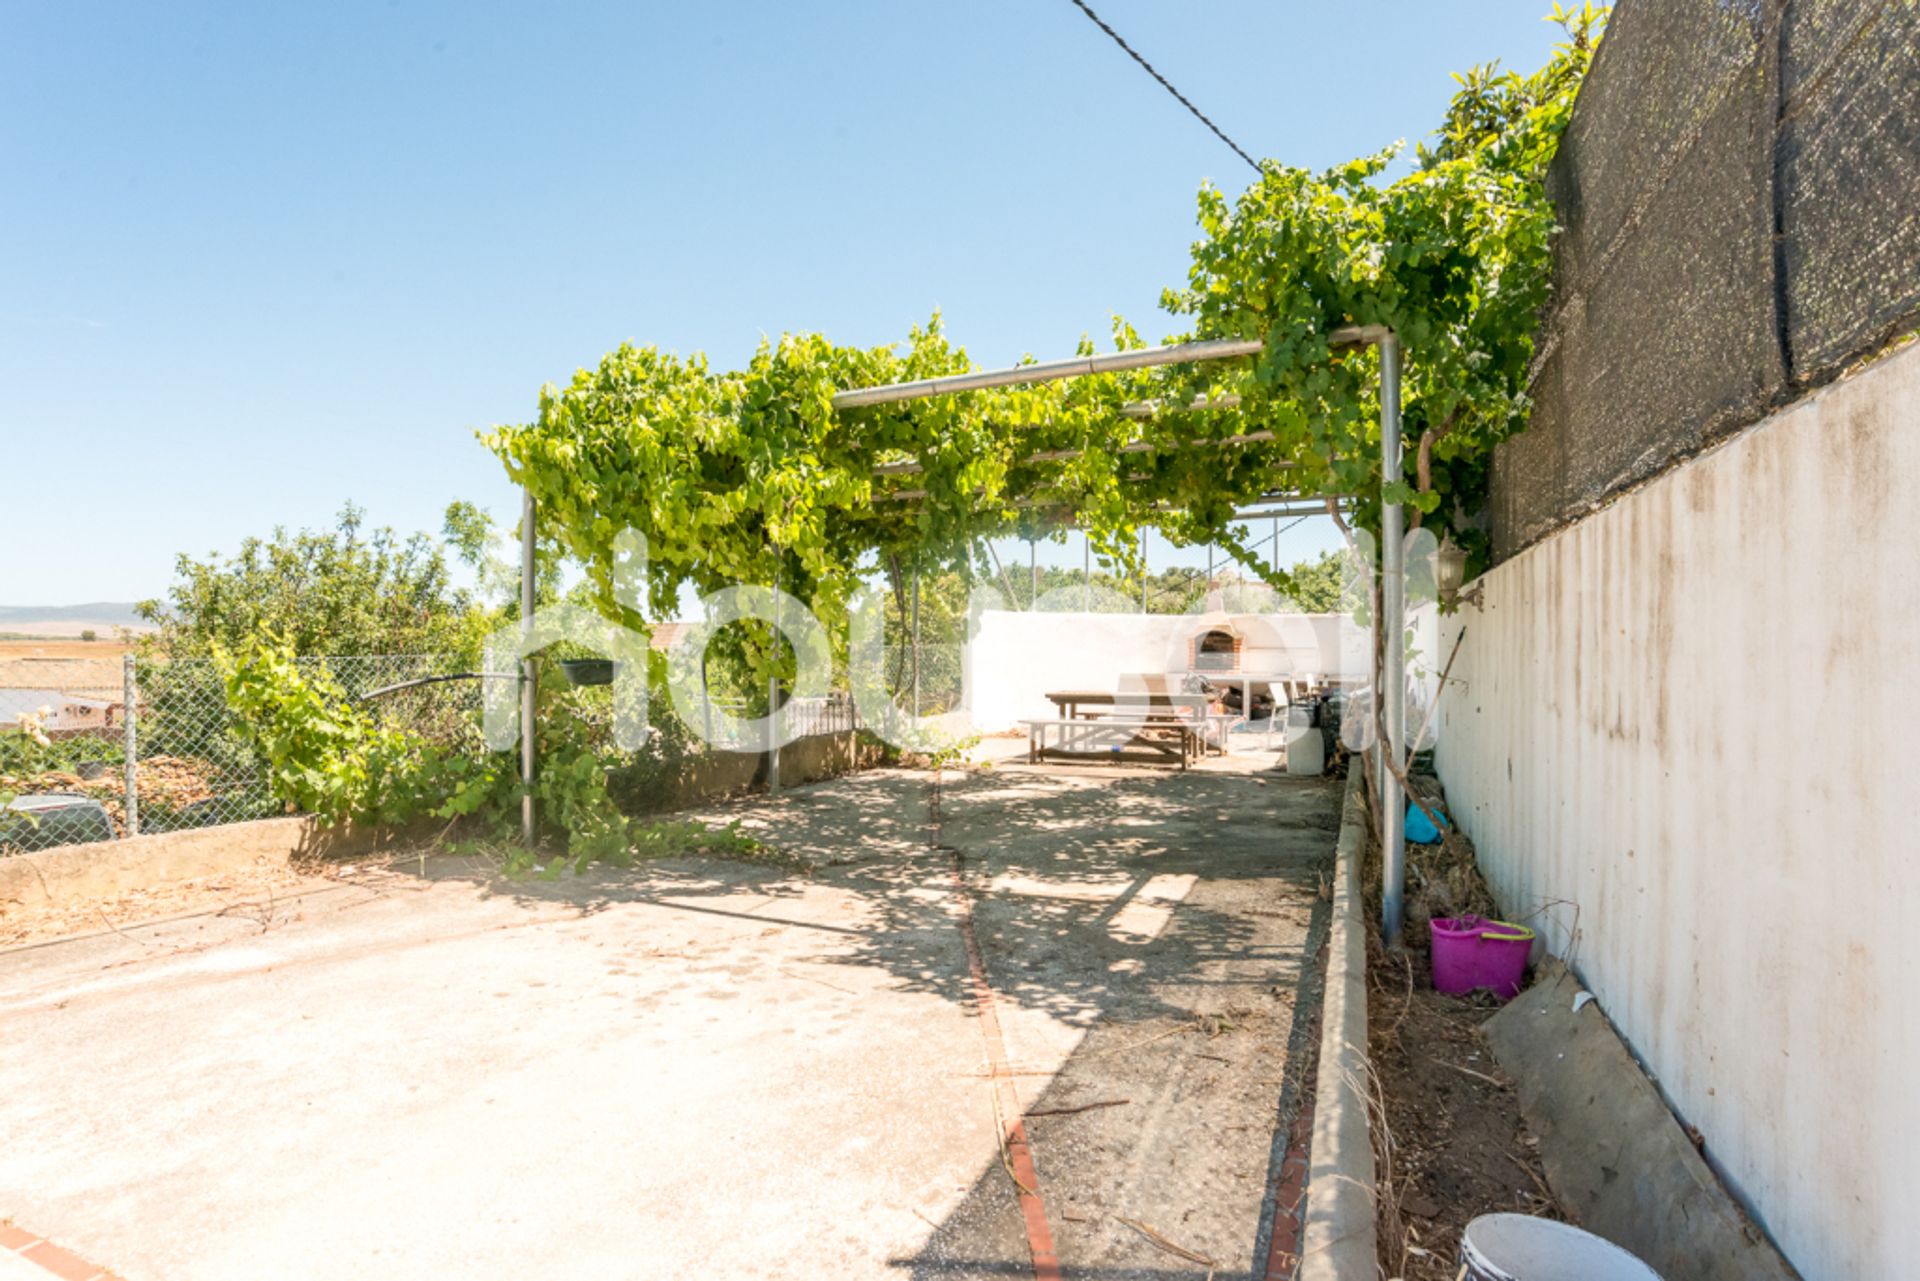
[1217, 649]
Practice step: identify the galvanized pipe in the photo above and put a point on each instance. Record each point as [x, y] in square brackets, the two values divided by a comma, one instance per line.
[1049, 371]
[130, 743]
[1078, 367]
[1300, 508]
[910, 468]
[1148, 408]
[529, 686]
[773, 697]
[1392, 687]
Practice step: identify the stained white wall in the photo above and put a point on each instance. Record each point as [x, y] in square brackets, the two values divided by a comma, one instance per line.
[1016, 657]
[1687, 723]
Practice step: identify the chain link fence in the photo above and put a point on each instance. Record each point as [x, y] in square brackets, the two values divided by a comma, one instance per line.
[1736, 191]
[191, 764]
[832, 714]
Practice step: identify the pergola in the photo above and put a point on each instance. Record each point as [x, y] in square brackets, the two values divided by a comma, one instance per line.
[1390, 663]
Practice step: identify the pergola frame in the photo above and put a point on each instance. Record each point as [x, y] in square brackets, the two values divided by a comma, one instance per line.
[1390, 663]
[1390, 666]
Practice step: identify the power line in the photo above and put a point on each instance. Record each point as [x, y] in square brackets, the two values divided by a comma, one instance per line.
[1166, 84]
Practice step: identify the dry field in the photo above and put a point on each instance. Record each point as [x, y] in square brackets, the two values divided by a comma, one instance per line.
[54, 662]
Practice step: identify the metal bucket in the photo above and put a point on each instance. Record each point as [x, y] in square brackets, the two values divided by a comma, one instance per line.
[1519, 1247]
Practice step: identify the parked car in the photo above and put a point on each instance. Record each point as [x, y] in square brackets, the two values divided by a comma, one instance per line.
[56, 818]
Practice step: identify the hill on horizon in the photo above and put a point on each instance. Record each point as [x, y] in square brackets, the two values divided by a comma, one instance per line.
[70, 620]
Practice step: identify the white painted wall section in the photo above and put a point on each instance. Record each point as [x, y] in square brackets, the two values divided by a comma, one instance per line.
[1686, 723]
[1016, 657]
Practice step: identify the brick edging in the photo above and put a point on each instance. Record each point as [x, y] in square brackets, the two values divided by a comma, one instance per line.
[54, 1260]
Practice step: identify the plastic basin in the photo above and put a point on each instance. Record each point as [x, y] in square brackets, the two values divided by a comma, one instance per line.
[1519, 1247]
[1471, 952]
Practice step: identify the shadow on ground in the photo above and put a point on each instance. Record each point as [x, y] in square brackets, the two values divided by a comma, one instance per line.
[1150, 940]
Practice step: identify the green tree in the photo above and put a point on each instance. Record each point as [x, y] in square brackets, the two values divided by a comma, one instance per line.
[1319, 586]
[492, 555]
[345, 590]
[1455, 258]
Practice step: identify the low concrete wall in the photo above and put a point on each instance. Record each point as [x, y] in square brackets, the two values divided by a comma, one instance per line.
[818, 756]
[1684, 724]
[714, 775]
[1338, 1237]
[115, 867]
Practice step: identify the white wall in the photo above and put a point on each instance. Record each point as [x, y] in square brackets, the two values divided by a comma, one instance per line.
[1016, 657]
[1691, 715]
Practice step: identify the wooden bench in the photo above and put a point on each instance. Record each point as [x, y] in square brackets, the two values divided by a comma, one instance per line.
[1167, 736]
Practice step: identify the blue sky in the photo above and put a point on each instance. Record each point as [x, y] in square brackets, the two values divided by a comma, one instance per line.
[264, 259]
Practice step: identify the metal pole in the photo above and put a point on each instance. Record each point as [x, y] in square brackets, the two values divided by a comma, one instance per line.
[130, 744]
[773, 694]
[529, 686]
[916, 640]
[1050, 371]
[1078, 366]
[1033, 572]
[1393, 676]
[1086, 573]
[706, 699]
[1275, 689]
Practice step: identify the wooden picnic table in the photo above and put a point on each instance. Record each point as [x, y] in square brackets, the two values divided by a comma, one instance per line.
[1173, 724]
[1070, 701]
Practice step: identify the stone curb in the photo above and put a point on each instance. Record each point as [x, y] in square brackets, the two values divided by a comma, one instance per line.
[1337, 1240]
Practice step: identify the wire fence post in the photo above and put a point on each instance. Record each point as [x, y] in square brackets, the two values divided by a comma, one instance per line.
[773, 693]
[130, 743]
[529, 687]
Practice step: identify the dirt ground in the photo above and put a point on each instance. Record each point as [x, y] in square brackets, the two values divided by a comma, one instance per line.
[268, 893]
[1454, 1140]
[56, 662]
[1059, 1004]
[41, 647]
[1459, 1148]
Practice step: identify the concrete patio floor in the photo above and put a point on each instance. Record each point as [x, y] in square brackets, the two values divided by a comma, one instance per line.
[700, 1068]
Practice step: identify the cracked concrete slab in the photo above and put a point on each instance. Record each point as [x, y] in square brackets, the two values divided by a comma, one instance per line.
[698, 1067]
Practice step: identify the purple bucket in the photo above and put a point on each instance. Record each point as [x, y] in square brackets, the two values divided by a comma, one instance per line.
[1471, 952]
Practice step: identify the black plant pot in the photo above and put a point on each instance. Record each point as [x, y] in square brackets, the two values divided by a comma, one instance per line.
[587, 671]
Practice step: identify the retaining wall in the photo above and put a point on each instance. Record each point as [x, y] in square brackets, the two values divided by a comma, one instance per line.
[1680, 734]
[105, 868]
